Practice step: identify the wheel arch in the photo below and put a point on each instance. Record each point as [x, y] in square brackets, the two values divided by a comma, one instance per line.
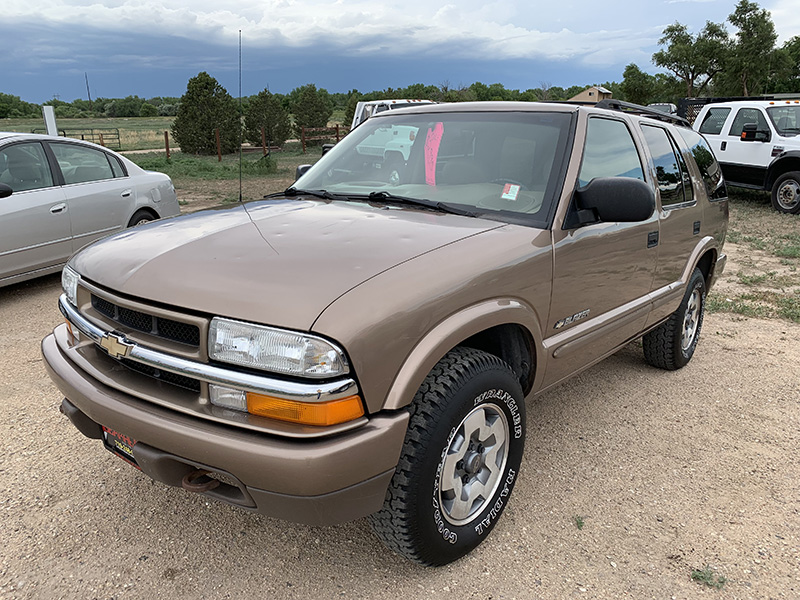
[783, 163]
[506, 328]
[146, 209]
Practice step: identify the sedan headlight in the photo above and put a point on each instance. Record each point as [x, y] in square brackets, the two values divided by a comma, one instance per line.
[69, 283]
[275, 350]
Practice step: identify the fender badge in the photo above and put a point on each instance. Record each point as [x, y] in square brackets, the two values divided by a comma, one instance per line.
[115, 345]
[569, 320]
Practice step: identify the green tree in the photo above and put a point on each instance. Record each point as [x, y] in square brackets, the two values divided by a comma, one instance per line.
[148, 110]
[350, 111]
[753, 60]
[204, 107]
[637, 86]
[310, 107]
[693, 59]
[265, 110]
[787, 76]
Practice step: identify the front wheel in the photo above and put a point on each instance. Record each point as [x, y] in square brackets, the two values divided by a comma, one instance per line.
[671, 345]
[786, 193]
[459, 462]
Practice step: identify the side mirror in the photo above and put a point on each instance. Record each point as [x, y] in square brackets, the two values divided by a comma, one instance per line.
[614, 199]
[326, 148]
[301, 170]
[751, 133]
[5, 190]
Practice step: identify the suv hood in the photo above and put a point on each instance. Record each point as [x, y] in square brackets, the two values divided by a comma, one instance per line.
[274, 262]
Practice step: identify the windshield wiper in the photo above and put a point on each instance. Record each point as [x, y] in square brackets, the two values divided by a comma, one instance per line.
[293, 191]
[384, 196]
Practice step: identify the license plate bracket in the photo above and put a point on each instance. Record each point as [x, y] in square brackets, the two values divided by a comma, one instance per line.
[120, 445]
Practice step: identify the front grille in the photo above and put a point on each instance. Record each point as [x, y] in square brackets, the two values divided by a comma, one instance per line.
[165, 376]
[169, 329]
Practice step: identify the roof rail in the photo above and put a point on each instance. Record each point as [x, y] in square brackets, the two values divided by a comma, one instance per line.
[637, 109]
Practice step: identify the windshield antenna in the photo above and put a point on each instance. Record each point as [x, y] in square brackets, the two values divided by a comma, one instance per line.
[240, 116]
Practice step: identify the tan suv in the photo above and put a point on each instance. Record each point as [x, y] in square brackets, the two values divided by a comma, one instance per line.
[364, 343]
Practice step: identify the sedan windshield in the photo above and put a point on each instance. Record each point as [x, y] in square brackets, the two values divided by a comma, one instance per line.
[495, 164]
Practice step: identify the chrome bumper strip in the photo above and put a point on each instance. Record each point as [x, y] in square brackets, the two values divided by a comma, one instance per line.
[289, 390]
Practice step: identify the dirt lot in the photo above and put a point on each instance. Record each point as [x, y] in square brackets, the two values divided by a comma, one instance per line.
[666, 472]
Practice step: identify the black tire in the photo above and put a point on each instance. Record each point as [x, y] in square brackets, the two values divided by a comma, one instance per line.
[140, 217]
[786, 193]
[671, 345]
[421, 519]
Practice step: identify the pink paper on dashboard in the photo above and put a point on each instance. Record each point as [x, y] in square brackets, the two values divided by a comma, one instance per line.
[432, 141]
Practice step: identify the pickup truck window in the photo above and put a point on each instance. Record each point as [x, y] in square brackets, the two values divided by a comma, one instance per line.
[670, 170]
[714, 120]
[750, 115]
[708, 165]
[609, 152]
[786, 120]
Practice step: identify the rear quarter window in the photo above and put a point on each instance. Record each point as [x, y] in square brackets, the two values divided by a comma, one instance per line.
[714, 120]
[706, 163]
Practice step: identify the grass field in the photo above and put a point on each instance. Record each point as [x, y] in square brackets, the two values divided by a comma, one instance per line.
[136, 133]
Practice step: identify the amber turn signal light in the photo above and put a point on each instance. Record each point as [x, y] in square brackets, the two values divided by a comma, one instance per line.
[319, 414]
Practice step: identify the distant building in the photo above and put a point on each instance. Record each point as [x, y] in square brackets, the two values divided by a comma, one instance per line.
[592, 94]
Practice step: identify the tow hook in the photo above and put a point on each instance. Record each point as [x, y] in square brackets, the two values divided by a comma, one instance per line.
[199, 481]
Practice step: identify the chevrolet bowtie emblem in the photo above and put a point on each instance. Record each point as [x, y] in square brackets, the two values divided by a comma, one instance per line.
[115, 345]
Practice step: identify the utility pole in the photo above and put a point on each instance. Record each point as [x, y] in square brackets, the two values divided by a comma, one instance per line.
[88, 93]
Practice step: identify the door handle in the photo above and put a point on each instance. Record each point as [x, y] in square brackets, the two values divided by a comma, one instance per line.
[58, 208]
[652, 239]
[125, 193]
[723, 145]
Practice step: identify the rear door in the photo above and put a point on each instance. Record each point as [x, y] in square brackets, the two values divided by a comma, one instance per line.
[99, 192]
[34, 221]
[603, 272]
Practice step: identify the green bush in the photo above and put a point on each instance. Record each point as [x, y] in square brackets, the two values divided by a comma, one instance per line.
[265, 110]
[310, 107]
[204, 107]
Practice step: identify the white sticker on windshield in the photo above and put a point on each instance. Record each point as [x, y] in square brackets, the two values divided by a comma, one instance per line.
[510, 192]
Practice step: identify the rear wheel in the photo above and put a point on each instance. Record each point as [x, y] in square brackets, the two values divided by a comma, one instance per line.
[671, 345]
[140, 217]
[786, 193]
[459, 462]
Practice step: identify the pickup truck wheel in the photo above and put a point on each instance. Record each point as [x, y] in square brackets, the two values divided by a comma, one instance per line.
[459, 462]
[786, 193]
[671, 345]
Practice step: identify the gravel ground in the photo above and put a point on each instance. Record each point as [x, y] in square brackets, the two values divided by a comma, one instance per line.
[667, 472]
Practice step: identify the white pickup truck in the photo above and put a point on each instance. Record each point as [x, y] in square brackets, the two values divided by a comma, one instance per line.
[757, 143]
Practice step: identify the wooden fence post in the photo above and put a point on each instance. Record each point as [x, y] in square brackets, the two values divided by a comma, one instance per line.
[219, 147]
[303, 138]
[166, 143]
[101, 138]
[337, 133]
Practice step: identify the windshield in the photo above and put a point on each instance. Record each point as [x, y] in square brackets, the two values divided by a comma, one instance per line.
[494, 164]
[786, 119]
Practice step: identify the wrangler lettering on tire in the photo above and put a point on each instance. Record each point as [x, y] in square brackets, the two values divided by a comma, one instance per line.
[459, 462]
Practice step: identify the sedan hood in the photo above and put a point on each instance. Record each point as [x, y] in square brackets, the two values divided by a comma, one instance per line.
[274, 262]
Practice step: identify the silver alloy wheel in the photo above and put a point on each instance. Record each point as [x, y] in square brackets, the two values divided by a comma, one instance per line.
[473, 463]
[142, 222]
[788, 194]
[691, 319]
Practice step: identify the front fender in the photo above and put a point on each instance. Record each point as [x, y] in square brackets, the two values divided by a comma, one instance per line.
[451, 332]
[784, 162]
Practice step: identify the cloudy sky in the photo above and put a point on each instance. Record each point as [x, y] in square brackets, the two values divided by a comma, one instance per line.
[151, 48]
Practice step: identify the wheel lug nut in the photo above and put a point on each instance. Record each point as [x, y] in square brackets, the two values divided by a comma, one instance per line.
[465, 478]
[460, 465]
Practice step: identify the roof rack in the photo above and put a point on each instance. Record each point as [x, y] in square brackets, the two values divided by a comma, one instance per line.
[637, 109]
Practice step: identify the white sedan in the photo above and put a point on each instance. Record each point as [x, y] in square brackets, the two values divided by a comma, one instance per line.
[58, 194]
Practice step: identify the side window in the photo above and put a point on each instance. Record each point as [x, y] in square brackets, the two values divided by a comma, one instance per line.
[116, 166]
[609, 152]
[708, 165]
[714, 120]
[668, 166]
[80, 164]
[749, 115]
[25, 167]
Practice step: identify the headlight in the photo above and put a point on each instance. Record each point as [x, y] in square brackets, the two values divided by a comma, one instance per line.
[69, 283]
[274, 350]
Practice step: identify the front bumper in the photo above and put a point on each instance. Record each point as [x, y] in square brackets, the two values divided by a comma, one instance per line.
[317, 481]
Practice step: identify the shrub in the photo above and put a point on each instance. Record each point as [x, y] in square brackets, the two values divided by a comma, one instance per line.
[310, 107]
[204, 107]
[265, 110]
